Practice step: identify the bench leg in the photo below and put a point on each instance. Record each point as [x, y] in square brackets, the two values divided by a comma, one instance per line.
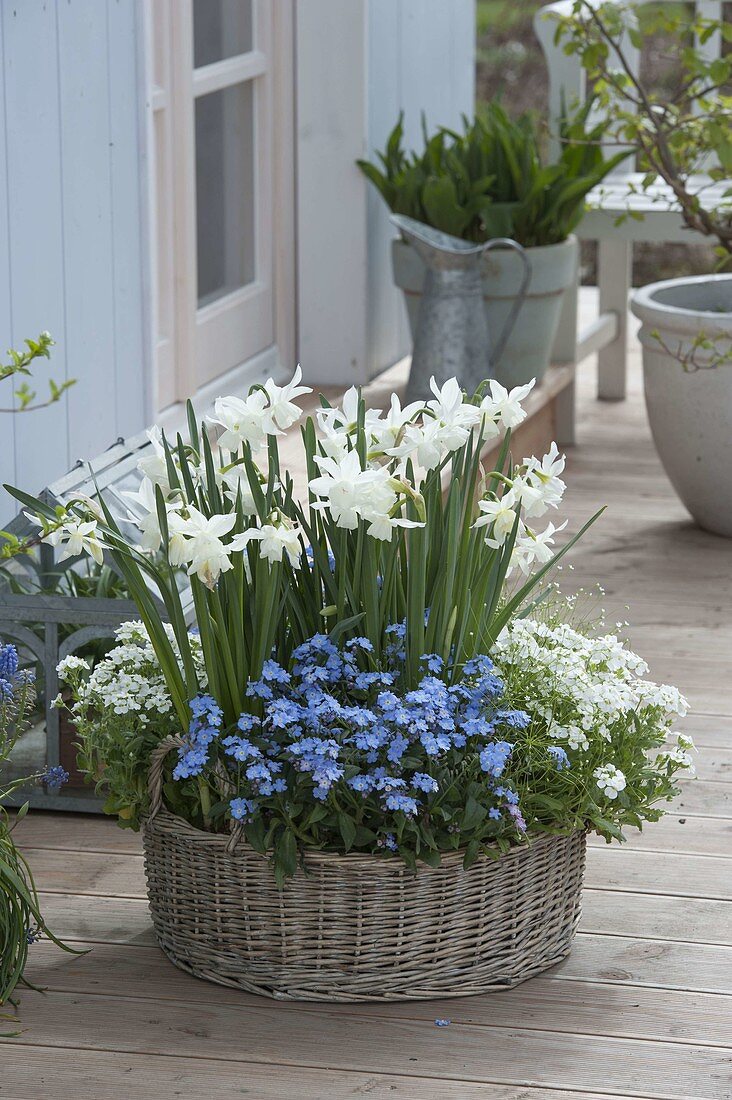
[565, 416]
[614, 277]
[564, 349]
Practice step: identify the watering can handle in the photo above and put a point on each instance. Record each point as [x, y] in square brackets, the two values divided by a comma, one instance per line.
[507, 242]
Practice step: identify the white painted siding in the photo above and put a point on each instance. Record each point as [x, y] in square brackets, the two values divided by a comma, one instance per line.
[358, 64]
[71, 225]
[421, 58]
[331, 113]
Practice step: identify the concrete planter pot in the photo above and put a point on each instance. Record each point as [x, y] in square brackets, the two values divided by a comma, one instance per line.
[689, 399]
[528, 351]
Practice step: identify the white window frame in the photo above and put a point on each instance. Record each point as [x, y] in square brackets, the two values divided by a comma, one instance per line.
[251, 331]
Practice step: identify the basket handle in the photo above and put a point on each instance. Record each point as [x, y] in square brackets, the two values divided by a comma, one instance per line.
[155, 785]
[155, 774]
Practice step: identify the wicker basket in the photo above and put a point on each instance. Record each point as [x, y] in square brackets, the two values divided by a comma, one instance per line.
[357, 927]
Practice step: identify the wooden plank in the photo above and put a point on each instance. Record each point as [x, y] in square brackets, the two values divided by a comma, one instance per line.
[549, 1003]
[88, 832]
[708, 799]
[277, 1033]
[647, 872]
[704, 968]
[76, 917]
[694, 920]
[35, 1071]
[710, 836]
[101, 873]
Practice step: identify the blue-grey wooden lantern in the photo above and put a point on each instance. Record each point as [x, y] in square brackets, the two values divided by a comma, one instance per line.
[31, 621]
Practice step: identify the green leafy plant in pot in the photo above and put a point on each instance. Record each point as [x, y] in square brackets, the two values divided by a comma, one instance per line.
[491, 181]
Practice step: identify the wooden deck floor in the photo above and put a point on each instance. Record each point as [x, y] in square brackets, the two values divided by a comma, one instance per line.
[642, 1008]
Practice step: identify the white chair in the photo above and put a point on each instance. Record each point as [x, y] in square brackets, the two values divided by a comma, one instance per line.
[621, 191]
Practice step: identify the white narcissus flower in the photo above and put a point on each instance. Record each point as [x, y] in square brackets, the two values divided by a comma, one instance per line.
[244, 420]
[234, 480]
[500, 404]
[543, 478]
[348, 492]
[501, 515]
[148, 523]
[445, 427]
[388, 430]
[422, 442]
[197, 540]
[275, 540]
[535, 546]
[79, 537]
[344, 417]
[529, 496]
[153, 465]
[382, 526]
[282, 410]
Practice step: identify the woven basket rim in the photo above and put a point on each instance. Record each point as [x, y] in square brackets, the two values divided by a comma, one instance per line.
[314, 856]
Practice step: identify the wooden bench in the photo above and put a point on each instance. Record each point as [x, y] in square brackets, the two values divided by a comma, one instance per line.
[621, 192]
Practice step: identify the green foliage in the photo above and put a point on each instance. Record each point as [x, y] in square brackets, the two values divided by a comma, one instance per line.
[260, 608]
[490, 180]
[21, 921]
[20, 364]
[675, 135]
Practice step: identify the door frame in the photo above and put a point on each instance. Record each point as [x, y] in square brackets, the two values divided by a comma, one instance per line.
[172, 232]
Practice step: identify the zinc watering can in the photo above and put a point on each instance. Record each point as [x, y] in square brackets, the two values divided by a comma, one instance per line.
[452, 337]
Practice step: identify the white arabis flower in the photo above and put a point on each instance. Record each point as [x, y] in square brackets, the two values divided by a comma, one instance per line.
[500, 404]
[500, 515]
[610, 780]
[243, 420]
[282, 410]
[71, 664]
[275, 540]
[681, 757]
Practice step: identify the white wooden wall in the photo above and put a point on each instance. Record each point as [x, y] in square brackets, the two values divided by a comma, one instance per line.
[72, 253]
[421, 58]
[358, 64]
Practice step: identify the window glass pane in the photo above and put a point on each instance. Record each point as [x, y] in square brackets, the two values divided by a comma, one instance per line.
[221, 28]
[225, 191]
